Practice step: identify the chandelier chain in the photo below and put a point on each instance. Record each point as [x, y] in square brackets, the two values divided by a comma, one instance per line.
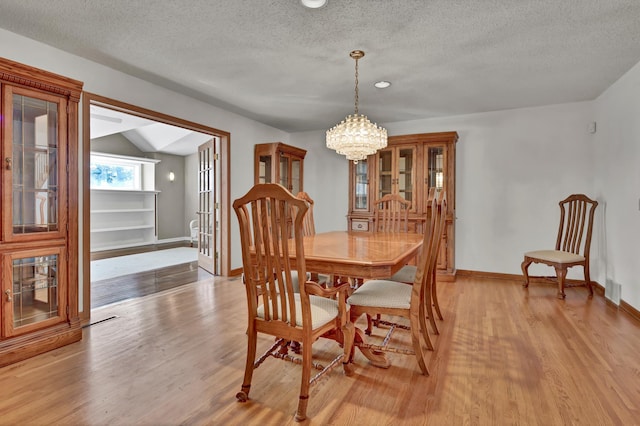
[356, 106]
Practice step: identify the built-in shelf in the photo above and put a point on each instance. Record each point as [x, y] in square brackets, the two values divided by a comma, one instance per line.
[122, 191]
[124, 217]
[122, 228]
[121, 211]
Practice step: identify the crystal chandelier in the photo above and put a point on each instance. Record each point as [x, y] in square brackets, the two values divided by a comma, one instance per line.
[356, 137]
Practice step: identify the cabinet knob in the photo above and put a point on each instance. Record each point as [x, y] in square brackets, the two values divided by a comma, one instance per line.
[8, 293]
[7, 162]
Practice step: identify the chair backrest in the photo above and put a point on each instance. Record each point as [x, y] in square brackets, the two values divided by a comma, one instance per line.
[576, 223]
[268, 216]
[308, 223]
[429, 253]
[193, 228]
[391, 214]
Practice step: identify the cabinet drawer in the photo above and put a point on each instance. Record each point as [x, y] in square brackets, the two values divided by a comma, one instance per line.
[359, 225]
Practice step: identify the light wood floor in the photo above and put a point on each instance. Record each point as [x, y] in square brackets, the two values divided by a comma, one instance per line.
[505, 356]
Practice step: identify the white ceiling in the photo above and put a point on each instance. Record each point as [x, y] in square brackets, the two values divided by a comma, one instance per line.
[289, 67]
[146, 135]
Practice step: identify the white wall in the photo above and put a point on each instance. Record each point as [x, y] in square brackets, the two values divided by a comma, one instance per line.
[617, 165]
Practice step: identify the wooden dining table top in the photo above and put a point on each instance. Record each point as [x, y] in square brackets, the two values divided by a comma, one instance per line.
[360, 254]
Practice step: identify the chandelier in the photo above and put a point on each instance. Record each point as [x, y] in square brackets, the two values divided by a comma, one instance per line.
[356, 137]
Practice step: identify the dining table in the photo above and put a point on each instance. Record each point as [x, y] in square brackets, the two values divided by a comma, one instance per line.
[360, 255]
[367, 255]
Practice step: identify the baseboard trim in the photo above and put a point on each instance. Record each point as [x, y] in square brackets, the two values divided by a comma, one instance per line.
[235, 272]
[624, 306]
[520, 277]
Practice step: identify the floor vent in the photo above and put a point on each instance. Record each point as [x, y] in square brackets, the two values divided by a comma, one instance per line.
[100, 321]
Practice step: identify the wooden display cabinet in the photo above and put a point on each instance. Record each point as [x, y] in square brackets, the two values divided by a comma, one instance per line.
[39, 239]
[409, 167]
[276, 162]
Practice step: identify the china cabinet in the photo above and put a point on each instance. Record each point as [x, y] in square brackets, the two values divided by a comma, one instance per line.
[276, 162]
[38, 241]
[410, 166]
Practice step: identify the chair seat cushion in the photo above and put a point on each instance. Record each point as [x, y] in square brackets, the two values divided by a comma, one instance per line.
[407, 274]
[382, 293]
[323, 310]
[556, 256]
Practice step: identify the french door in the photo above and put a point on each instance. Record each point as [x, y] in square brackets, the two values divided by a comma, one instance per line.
[208, 213]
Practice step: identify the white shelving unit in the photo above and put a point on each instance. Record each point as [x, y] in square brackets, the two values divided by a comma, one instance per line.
[122, 219]
[125, 218]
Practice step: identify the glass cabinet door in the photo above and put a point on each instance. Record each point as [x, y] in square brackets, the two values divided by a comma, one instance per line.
[295, 176]
[385, 173]
[284, 172]
[435, 168]
[406, 173]
[34, 293]
[264, 169]
[361, 181]
[397, 172]
[33, 162]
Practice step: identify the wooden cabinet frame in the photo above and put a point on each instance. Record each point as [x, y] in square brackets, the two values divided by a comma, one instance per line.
[361, 218]
[276, 151]
[20, 342]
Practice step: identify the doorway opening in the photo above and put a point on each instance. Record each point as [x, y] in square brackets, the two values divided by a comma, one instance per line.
[169, 182]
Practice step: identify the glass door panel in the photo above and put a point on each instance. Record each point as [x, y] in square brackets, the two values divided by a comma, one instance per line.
[385, 179]
[435, 168]
[295, 176]
[34, 291]
[284, 172]
[264, 169]
[206, 207]
[361, 201]
[34, 165]
[405, 173]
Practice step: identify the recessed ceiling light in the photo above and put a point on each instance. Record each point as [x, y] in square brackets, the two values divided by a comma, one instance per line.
[314, 4]
[382, 84]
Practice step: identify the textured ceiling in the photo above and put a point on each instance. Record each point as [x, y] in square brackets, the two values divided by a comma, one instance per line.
[287, 66]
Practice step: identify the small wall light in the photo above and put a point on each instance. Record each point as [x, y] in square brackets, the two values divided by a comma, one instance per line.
[172, 177]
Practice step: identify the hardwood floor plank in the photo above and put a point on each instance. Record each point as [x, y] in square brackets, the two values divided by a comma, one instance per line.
[505, 355]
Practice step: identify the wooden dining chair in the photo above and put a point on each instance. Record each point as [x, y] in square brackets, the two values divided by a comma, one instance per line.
[573, 242]
[308, 229]
[401, 300]
[391, 214]
[408, 272]
[271, 224]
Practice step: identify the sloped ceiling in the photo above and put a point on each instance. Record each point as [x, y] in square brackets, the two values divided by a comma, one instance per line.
[146, 135]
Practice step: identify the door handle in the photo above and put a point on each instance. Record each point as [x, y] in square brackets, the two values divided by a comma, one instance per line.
[8, 293]
[7, 162]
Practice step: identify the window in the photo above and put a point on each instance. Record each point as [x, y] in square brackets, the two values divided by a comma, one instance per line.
[117, 173]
